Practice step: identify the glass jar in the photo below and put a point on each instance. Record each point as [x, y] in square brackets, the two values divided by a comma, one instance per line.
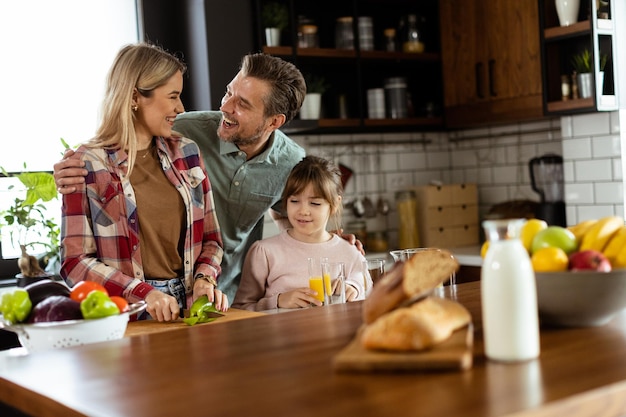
[344, 33]
[406, 203]
[508, 294]
[307, 36]
[413, 41]
[390, 39]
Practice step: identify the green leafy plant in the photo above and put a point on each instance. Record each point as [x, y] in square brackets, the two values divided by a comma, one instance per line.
[30, 226]
[583, 63]
[315, 83]
[274, 15]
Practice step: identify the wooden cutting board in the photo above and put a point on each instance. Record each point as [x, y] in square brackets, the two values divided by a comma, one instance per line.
[453, 354]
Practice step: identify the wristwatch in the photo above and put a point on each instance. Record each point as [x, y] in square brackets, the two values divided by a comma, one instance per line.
[208, 278]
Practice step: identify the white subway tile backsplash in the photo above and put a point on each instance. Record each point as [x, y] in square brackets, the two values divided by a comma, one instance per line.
[579, 193]
[490, 195]
[555, 147]
[594, 170]
[614, 122]
[567, 130]
[464, 158]
[436, 160]
[617, 170]
[495, 158]
[595, 211]
[411, 160]
[591, 124]
[577, 148]
[606, 146]
[610, 192]
[505, 175]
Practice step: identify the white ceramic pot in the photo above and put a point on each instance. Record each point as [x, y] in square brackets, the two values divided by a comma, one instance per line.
[272, 36]
[567, 10]
[311, 106]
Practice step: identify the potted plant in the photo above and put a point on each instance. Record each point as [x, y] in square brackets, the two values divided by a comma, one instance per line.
[311, 106]
[30, 228]
[274, 18]
[583, 66]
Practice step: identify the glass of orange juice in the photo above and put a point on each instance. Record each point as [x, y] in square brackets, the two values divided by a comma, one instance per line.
[316, 282]
[335, 279]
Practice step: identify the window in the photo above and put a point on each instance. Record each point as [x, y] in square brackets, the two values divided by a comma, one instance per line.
[56, 54]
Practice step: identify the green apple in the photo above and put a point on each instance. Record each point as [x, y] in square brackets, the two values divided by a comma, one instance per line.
[554, 236]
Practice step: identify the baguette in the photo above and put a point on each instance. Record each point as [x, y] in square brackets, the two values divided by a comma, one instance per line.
[417, 327]
[417, 276]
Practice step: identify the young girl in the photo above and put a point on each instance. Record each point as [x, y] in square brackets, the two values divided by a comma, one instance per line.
[275, 273]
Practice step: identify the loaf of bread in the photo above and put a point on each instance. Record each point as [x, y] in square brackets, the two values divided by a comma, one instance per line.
[417, 276]
[417, 327]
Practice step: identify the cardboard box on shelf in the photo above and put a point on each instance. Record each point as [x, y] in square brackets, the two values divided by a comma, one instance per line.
[447, 215]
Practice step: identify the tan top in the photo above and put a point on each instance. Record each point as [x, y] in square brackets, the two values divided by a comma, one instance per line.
[161, 216]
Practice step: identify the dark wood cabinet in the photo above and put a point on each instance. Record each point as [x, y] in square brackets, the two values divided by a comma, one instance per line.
[491, 61]
[349, 73]
[594, 32]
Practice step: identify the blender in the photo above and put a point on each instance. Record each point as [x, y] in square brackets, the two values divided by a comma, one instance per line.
[546, 177]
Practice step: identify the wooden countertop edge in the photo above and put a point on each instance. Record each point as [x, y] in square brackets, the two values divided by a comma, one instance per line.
[607, 401]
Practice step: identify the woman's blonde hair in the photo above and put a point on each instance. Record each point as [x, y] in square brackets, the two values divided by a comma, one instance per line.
[324, 176]
[142, 67]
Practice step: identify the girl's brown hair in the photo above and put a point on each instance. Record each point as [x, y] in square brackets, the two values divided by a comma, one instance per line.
[324, 176]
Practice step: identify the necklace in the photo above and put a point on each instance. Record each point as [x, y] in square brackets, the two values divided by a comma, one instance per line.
[148, 150]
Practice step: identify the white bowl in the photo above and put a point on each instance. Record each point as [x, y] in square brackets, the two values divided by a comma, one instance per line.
[59, 334]
[580, 298]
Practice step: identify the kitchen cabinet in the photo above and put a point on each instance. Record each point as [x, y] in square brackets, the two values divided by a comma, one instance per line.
[491, 64]
[349, 73]
[594, 31]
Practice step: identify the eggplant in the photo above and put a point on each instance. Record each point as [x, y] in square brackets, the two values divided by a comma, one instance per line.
[40, 290]
[56, 308]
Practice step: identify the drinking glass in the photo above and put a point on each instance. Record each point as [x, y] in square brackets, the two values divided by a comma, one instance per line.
[405, 254]
[316, 282]
[334, 274]
[376, 268]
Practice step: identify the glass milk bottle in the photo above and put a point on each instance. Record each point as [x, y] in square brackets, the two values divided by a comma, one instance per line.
[509, 295]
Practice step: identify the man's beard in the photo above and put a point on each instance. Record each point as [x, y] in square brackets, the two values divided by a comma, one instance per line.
[247, 141]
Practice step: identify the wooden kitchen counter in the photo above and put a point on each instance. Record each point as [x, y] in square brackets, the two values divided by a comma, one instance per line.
[281, 365]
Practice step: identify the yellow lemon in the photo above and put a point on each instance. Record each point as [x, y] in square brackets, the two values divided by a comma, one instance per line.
[529, 230]
[550, 259]
[483, 249]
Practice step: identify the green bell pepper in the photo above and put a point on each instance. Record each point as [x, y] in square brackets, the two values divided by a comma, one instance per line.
[15, 305]
[202, 311]
[97, 305]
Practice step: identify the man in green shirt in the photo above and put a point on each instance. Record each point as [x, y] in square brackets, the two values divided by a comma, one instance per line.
[247, 158]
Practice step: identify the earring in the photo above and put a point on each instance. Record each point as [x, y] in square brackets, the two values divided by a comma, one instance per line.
[134, 107]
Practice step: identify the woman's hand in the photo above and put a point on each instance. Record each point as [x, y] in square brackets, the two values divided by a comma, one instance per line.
[69, 173]
[298, 298]
[218, 298]
[161, 306]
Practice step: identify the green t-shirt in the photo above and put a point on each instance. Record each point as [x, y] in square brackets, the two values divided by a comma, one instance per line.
[243, 190]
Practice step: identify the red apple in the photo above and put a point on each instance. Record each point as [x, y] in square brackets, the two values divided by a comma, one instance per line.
[589, 260]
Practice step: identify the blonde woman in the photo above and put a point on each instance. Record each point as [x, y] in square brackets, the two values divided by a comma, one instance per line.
[143, 224]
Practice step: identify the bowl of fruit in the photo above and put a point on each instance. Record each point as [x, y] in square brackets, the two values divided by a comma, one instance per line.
[580, 270]
[47, 314]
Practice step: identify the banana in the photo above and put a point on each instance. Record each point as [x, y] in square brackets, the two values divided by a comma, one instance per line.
[600, 233]
[581, 228]
[616, 245]
[620, 260]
